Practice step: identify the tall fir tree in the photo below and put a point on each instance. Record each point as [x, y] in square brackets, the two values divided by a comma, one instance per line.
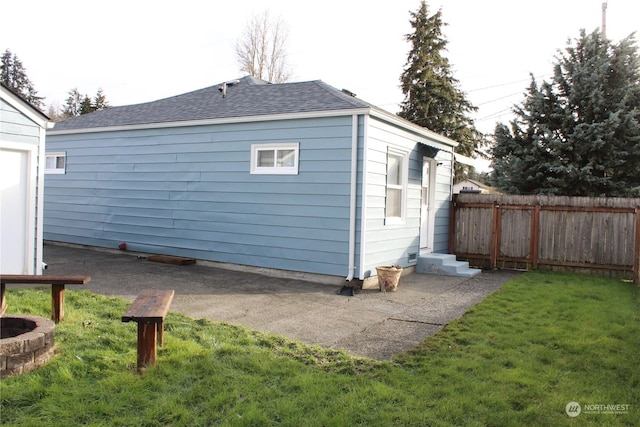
[100, 101]
[432, 97]
[14, 76]
[78, 104]
[580, 133]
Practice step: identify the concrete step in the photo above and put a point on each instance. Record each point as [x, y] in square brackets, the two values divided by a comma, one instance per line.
[446, 265]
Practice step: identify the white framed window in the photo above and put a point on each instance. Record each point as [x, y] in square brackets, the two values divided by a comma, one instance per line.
[275, 159]
[55, 162]
[397, 183]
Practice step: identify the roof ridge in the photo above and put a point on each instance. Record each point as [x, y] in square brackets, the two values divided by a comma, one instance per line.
[252, 80]
[356, 102]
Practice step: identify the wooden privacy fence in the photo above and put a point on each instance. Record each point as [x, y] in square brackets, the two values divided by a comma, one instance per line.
[598, 235]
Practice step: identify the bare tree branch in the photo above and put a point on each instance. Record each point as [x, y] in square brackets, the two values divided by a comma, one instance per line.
[261, 49]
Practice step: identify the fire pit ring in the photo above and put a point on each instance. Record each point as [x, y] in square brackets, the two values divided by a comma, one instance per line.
[26, 343]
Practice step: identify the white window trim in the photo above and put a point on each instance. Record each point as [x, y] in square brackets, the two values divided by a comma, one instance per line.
[274, 170]
[392, 220]
[56, 154]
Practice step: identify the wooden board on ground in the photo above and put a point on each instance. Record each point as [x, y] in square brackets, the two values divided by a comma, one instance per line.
[168, 259]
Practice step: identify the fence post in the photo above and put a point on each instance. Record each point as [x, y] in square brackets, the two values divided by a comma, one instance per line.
[535, 236]
[452, 224]
[636, 249]
[494, 250]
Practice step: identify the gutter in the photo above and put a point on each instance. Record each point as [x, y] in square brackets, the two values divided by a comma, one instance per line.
[353, 201]
[434, 139]
[213, 121]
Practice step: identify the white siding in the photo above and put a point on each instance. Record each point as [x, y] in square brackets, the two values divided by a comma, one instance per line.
[23, 131]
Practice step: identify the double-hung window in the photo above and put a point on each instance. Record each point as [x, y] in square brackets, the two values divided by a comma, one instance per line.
[55, 163]
[278, 159]
[396, 190]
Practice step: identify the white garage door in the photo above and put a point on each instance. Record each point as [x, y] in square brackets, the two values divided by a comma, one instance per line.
[14, 211]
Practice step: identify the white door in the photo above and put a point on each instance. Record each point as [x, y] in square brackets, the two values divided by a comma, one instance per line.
[427, 213]
[14, 214]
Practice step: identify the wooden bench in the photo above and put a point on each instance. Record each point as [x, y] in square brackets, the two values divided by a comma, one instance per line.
[57, 289]
[149, 310]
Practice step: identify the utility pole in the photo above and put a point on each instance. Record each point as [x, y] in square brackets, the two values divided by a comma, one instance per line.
[603, 29]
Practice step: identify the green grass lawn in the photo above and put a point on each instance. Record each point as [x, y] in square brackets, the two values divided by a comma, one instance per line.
[518, 358]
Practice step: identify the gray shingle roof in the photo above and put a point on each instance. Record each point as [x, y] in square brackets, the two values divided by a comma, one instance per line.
[248, 97]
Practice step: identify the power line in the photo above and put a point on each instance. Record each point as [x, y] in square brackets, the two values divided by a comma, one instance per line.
[483, 88]
[499, 99]
[508, 83]
[493, 115]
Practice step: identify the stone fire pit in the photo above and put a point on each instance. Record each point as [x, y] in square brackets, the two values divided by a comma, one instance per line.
[26, 343]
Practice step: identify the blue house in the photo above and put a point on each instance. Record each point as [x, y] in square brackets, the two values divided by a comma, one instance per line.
[299, 177]
[22, 165]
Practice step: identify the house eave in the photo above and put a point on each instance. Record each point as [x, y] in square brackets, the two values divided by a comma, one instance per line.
[433, 139]
[25, 107]
[226, 120]
[464, 160]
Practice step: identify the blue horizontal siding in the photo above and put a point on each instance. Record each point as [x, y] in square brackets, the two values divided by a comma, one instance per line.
[188, 191]
[388, 244]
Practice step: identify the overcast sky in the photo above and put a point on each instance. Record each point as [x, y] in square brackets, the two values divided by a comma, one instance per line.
[140, 50]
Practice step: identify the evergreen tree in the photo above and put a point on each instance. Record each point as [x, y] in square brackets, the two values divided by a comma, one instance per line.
[100, 101]
[14, 76]
[86, 106]
[432, 97]
[78, 104]
[580, 133]
[73, 106]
